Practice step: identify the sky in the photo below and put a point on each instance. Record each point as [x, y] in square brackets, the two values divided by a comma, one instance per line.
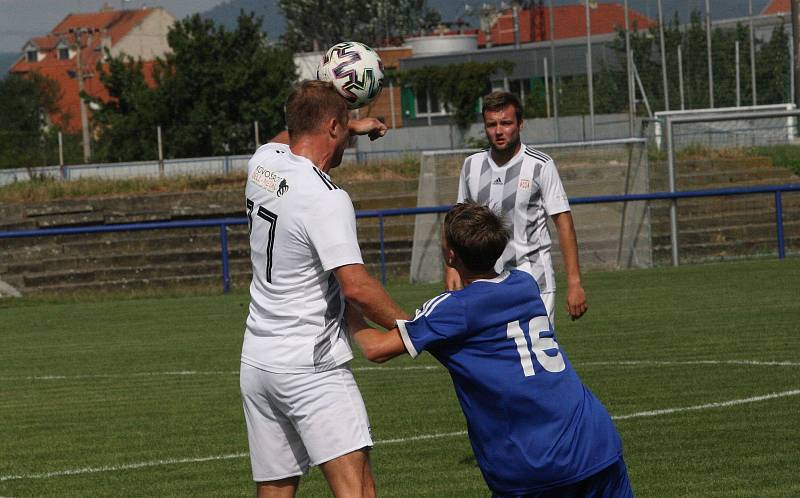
[21, 20]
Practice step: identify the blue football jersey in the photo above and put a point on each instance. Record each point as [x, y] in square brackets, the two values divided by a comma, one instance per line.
[533, 425]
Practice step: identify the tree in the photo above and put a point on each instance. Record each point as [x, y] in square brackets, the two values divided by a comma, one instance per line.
[318, 24]
[458, 86]
[772, 69]
[208, 91]
[128, 120]
[27, 137]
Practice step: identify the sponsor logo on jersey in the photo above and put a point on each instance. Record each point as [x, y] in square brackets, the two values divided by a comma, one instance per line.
[283, 187]
[524, 184]
[497, 181]
[269, 181]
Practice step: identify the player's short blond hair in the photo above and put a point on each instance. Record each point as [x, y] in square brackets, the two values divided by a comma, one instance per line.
[311, 104]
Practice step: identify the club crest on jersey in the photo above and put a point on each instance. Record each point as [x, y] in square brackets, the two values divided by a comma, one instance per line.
[524, 184]
[269, 180]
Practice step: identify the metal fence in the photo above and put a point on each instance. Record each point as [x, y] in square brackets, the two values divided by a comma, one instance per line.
[223, 223]
[669, 133]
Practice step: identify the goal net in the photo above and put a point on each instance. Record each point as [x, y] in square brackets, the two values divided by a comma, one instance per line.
[610, 235]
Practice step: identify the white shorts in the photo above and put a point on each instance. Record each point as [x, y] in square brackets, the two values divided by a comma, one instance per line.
[549, 299]
[296, 421]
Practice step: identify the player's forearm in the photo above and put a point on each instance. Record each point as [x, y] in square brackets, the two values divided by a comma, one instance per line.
[373, 301]
[368, 296]
[375, 345]
[569, 247]
[378, 346]
[371, 127]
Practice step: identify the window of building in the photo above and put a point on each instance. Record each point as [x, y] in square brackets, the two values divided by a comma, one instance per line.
[428, 104]
[519, 88]
[32, 55]
[63, 53]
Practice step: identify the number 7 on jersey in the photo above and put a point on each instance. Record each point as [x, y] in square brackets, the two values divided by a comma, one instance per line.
[271, 218]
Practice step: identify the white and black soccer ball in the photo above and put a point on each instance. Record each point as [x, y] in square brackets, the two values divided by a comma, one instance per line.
[355, 70]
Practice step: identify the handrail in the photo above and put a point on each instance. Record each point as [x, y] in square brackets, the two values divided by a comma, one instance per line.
[223, 223]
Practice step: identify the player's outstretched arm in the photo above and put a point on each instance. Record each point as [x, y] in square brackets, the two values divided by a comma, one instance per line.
[368, 296]
[372, 127]
[376, 346]
[576, 296]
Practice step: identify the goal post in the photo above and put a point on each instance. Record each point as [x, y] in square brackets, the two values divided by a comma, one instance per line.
[610, 235]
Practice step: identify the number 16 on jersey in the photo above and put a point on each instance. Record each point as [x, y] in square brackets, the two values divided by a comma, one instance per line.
[538, 346]
[262, 238]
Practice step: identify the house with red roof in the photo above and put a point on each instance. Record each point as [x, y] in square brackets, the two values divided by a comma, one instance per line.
[528, 48]
[569, 21]
[80, 41]
[777, 7]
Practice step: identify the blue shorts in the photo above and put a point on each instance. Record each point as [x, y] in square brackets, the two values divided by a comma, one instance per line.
[611, 482]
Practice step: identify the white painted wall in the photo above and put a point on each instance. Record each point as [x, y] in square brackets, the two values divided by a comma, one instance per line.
[148, 39]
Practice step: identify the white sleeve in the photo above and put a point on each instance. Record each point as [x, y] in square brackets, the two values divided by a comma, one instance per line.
[554, 198]
[331, 227]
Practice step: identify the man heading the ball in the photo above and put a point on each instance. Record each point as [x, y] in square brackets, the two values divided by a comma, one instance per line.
[302, 406]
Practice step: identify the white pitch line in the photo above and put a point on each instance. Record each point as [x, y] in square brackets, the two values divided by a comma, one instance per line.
[420, 438]
[187, 373]
[658, 363]
[624, 363]
[174, 461]
[733, 402]
[113, 468]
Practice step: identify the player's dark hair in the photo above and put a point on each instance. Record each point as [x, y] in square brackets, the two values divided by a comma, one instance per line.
[476, 234]
[499, 100]
[310, 104]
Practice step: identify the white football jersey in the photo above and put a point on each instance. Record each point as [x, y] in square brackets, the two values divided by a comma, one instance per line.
[302, 226]
[525, 191]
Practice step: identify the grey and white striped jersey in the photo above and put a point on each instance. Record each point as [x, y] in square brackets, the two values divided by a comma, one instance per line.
[525, 191]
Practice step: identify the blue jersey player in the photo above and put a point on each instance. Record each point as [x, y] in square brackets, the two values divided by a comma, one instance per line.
[536, 430]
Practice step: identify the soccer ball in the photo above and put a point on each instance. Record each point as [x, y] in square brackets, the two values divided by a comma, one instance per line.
[355, 70]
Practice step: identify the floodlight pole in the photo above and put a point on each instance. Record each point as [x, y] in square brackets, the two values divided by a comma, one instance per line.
[663, 55]
[87, 151]
[553, 68]
[391, 103]
[680, 77]
[160, 152]
[61, 156]
[738, 77]
[708, 49]
[629, 64]
[589, 68]
[752, 52]
[546, 88]
[795, 46]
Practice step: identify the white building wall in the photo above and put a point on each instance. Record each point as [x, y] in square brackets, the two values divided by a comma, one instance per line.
[148, 39]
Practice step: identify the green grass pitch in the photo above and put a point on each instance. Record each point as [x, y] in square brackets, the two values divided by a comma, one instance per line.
[700, 365]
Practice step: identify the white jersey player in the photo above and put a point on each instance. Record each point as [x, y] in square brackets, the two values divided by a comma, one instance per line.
[302, 407]
[522, 184]
[302, 226]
